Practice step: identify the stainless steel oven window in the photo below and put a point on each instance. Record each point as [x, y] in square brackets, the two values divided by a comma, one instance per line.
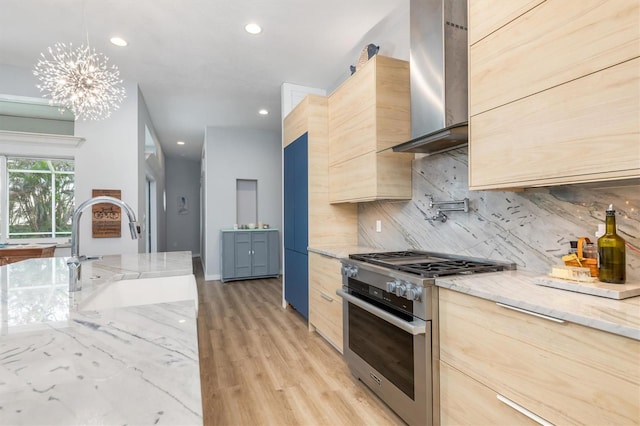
[384, 347]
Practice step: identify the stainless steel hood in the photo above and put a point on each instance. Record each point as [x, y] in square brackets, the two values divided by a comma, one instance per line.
[438, 70]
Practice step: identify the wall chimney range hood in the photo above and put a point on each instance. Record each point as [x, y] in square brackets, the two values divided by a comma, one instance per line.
[438, 75]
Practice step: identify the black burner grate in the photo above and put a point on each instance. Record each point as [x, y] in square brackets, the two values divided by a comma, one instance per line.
[428, 265]
[449, 267]
[389, 255]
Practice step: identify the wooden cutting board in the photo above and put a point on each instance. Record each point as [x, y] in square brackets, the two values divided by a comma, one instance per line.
[596, 288]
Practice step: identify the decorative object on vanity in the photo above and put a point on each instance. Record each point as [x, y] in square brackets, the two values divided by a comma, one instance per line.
[453, 206]
[388, 303]
[611, 252]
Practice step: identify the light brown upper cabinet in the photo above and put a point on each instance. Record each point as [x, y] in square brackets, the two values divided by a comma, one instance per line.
[554, 93]
[368, 115]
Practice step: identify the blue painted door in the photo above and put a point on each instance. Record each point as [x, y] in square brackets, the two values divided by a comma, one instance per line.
[296, 223]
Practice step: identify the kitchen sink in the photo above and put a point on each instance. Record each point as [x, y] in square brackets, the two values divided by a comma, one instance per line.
[143, 291]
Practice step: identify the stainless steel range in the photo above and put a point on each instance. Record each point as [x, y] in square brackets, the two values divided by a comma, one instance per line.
[390, 323]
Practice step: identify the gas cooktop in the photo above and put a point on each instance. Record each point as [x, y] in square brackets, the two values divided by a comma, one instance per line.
[429, 264]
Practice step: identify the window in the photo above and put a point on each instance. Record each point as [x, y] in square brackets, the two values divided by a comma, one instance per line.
[38, 197]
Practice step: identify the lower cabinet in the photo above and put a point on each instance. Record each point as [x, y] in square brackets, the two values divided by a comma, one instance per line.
[325, 306]
[547, 369]
[464, 401]
[246, 254]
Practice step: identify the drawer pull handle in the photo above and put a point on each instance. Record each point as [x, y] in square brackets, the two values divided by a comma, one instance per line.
[524, 311]
[325, 297]
[523, 410]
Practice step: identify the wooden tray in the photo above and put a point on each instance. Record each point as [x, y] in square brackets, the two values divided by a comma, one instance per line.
[596, 288]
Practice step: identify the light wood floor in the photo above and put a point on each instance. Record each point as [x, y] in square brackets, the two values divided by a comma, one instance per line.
[259, 365]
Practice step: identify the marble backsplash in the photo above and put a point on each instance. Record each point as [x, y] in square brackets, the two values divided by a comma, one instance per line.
[531, 228]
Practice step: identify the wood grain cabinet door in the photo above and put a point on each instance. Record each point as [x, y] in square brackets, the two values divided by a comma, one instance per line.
[553, 93]
[368, 115]
[563, 372]
[325, 306]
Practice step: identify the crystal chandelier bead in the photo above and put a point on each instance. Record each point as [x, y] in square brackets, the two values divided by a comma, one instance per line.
[79, 79]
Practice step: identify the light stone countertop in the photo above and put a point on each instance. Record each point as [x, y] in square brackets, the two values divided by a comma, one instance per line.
[129, 365]
[343, 251]
[516, 288]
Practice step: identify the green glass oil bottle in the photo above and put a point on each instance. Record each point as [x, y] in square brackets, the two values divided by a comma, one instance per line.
[611, 252]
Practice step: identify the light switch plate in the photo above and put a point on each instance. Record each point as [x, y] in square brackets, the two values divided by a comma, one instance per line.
[378, 226]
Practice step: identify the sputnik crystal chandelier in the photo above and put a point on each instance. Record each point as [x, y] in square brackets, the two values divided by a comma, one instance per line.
[80, 79]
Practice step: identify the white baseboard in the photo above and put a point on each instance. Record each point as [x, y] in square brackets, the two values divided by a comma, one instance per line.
[211, 277]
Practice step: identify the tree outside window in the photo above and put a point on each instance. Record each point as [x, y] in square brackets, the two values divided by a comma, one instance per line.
[41, 197]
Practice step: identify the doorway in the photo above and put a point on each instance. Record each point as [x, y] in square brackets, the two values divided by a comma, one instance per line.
[150, 221]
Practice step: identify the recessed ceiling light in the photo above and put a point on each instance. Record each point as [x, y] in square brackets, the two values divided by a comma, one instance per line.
[180, 143]
[253, 28]
[263, 112]
[118, 41]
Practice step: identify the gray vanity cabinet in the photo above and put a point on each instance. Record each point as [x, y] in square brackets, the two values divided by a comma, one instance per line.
[247, 254]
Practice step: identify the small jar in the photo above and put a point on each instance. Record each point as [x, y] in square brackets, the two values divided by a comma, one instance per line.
[590, 251]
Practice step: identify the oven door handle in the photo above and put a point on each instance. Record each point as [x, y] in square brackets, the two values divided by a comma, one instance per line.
[414, 327]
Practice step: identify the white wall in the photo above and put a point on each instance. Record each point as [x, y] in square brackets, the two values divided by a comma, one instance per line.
[112, 157]
[234, 153]
[155, 167]
[109, 159]
[183, 230]
[391, 34]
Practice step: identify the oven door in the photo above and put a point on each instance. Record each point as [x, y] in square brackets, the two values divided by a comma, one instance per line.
[390, 354]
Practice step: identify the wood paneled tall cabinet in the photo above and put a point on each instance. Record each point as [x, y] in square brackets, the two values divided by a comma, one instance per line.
[328, 225]
[554, 92]
[368, 115]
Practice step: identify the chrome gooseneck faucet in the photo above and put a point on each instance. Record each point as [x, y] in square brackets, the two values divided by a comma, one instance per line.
[75, 261]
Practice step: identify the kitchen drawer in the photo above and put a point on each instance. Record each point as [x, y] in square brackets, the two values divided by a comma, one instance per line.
[563, 372]
[325, 273]
[464, 401]
[325, 306]
[326, 315]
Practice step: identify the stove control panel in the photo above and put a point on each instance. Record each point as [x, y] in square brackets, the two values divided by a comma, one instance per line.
[349, 271]
[404, 289]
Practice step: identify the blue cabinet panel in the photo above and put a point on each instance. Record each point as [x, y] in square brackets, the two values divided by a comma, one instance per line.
[296, 270]
[296, 224]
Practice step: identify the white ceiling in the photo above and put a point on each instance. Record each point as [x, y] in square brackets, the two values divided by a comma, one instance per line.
[193, 61]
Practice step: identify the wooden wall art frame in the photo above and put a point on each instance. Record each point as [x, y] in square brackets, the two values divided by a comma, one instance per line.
[106, 217]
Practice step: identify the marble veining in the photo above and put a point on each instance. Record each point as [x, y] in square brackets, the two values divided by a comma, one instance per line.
[531, 228]
[60, 366]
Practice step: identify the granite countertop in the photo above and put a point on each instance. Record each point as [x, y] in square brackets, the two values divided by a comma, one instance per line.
[127, 365]
[516, 288]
